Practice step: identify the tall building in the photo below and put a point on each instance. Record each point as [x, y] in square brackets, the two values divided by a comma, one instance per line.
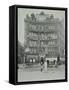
[42, 36]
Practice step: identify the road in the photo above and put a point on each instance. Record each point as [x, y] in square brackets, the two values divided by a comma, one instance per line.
[34, 75]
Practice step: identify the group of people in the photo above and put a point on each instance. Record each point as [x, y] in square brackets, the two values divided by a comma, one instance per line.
[44, 63]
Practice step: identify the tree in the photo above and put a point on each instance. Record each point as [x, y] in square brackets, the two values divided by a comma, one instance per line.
[20, 52]
[27, 16]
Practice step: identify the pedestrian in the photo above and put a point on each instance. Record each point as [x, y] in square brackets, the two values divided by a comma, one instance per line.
[42, 63]
[58, 60]
[45, 65]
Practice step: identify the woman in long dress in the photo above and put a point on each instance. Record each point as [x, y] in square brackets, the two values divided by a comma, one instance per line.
[45, 65]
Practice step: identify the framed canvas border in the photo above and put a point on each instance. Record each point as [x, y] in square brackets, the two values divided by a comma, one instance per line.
[15, 43]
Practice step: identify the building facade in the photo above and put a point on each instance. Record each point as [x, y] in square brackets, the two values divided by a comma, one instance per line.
[42, 37]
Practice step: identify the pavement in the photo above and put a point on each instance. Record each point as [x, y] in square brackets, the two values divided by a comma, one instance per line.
[34, 74]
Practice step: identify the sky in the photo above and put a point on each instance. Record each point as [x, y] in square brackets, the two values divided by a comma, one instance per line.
[22, 12]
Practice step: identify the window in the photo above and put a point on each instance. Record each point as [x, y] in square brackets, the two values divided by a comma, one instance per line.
[51, 27]
[33, 43]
